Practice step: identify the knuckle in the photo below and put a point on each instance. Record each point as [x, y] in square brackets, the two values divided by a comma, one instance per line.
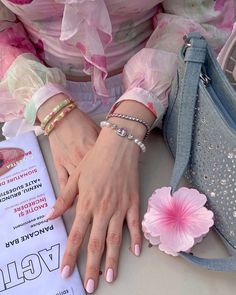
[119, 213]
[86, 204]
[95, 246]
[114, 239]
[71, 255]
[92, 270]
[135, 223]
[112, 261]
[104, 205]
[137, 238]
[76, 238]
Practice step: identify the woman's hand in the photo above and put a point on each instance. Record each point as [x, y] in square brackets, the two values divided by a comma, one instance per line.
[106, 181]
[70, 140]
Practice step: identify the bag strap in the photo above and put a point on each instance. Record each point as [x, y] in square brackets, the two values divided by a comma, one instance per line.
[218, 264]
[195, 54]
[194, 59]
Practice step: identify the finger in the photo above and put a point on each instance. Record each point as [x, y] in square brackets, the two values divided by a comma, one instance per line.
[70, 167]
[113, 242]
[133, 223]
[95, 251]
[65, 199]
[62, 176]
[74, 242]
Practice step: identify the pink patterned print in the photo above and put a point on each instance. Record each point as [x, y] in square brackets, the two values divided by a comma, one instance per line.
[80, 37]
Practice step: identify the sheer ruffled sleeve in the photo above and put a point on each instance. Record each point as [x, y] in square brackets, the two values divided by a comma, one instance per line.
[148, 74]
[25, 83]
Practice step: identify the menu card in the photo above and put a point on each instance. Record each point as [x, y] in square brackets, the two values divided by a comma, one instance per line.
[31, 248]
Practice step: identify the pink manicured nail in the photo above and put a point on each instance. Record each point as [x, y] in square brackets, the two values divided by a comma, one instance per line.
[65, 272]
[137, 250]
[109, 276]
[90, 286]
[49, 214]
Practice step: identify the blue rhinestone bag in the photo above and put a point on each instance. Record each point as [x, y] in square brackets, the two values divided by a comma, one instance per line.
[200, 130]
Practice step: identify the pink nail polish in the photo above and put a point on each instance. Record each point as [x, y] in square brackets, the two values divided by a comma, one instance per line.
[49, 214]
[109, 275]
[90, 286]
[137, 250]
[65, 272]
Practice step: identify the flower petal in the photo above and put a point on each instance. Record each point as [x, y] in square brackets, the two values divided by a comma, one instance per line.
[200, 222]
[176, 240]
[168, 251]
[150, 223]
[153, 240]
[160, 198]
[190, 199]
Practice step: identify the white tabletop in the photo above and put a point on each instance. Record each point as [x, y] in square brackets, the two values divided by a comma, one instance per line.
[155, 273]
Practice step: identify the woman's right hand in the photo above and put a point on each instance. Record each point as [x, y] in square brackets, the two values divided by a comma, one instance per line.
[70, 140]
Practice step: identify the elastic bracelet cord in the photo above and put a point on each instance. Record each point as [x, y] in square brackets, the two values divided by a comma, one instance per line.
[122, 132]
[132, 118]
[55, 111]
[58, 118]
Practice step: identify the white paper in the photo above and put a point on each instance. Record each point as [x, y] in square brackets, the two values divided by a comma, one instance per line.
[31, 248]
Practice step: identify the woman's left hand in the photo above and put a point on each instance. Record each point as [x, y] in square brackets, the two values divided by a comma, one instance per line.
[107, 183]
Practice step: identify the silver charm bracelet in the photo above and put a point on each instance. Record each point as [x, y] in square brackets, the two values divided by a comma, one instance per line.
[131, 118]
[124, 133]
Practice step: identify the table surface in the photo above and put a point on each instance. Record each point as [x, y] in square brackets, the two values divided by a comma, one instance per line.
[154, 272]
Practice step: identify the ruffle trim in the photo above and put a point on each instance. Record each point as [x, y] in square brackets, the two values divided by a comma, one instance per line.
[86, 25]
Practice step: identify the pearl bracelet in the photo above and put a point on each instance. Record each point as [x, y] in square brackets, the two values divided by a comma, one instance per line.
[124, 133]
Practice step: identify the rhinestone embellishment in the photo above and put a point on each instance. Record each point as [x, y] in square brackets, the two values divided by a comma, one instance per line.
[121, 132]
[223, 181]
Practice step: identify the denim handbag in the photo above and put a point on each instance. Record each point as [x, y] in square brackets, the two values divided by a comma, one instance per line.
[200, 130]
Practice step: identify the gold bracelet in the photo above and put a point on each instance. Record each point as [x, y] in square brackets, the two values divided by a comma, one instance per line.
[55, 111]
[65, 111]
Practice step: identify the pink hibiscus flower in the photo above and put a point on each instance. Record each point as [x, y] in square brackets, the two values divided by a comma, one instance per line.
[176, 223]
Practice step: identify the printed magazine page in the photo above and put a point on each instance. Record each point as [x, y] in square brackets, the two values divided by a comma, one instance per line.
[31, 248]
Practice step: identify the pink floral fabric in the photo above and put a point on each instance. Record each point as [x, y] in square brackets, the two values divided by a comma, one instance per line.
[94, 37]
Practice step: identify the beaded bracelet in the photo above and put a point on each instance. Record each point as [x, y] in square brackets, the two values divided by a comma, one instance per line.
[131, 118]
[55, 111]
[124, 133]
[65, 111]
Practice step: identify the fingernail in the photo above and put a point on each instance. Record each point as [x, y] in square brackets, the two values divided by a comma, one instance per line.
[90, 286]
[49, 214]
[109, 276]
[65, 272]
[137, 250]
